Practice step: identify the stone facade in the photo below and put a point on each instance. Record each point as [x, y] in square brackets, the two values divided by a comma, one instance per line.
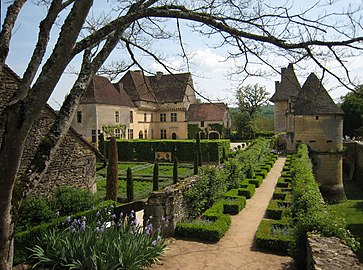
[74, 163]
[165, 208]
[308, 115]
[148, 107]
[330, 253]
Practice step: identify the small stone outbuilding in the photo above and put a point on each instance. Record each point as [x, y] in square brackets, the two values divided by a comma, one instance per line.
[74, 163]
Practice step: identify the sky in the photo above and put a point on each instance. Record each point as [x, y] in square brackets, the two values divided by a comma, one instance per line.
[207, 64]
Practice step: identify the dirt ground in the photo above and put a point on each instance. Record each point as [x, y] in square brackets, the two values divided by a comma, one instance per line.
[236, 250]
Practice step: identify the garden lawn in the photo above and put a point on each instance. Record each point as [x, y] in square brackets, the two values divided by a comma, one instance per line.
[352, 210]
[142, 189]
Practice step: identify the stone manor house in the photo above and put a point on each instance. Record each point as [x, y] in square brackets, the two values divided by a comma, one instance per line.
[308, 115]
[147, 107]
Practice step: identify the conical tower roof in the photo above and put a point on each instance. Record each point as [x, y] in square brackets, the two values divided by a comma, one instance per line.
[289, 85]
[313, 99]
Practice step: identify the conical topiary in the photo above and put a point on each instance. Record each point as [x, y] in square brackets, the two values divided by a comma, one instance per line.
[175, 170]
[129, 185]
[156, 177]
[112, 171]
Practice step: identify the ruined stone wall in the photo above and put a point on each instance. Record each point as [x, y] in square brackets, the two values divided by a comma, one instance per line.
[279, 116]
[330, 253]
[165, 208]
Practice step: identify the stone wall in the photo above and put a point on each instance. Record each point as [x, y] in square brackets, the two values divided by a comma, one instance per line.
[165, 208]
[330, 253]
[358, 172]
[74, 163]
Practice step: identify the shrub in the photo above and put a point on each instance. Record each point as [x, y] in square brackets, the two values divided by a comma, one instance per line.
[275, 235]
[277, 209]
[234, 206]
[207, 190]
[233, 172]
[204, 229]
[32, 212]
[68, 200]
[257, 181]
[308, 210]
[246, 191]
[98, 245]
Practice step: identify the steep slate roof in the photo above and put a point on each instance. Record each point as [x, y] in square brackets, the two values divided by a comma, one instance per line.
[313, 99]
[160, 88]
[206, 112]
[102, 91]
[289, 85]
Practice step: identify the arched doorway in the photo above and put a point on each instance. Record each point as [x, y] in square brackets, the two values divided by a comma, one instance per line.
[173, 136]
[214, 135]
[141, 135]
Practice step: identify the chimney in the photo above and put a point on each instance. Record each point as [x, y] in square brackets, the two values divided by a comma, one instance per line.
[159, 74]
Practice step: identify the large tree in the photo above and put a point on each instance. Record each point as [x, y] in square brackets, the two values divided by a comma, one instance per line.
[252, 30]
[352, 106]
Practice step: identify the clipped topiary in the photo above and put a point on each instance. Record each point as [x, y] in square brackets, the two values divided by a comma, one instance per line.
[198, 148]
[112, 171]
[175, 171]
[156, 177]
[129, 185]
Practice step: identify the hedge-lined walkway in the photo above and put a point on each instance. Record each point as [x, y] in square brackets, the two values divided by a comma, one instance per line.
[236, 249]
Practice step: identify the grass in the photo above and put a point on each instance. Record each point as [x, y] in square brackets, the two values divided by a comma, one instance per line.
[143, 172]
[352, 210]
[142, 189]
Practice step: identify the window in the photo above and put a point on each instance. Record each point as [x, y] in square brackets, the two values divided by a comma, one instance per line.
[130, 133]
[145, 117]
[317, 117]
[145, 134]
[141, 135]
[79, 117]
[163, 117]
[131, 116]
[117, 133]
[329, 141]
[99, 131]
[202, 123]
[117, 117]
[152, 118]
[163, 134]
[94, 137]
[174, 117]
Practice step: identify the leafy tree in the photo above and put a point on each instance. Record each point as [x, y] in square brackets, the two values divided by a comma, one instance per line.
[251, 98]
[352, 106]
[252, 31]
[112, 171]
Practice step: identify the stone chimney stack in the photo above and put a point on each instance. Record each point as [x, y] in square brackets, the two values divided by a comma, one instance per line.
[159, 74]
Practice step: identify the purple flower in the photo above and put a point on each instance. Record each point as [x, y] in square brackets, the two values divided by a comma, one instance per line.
[154, 242]
[83, 226]
[98, 213]
[68, 219]
[57, 214]
[102, 229]
[113, 216]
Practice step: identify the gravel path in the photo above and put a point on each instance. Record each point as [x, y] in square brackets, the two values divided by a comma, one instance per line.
[236, 250]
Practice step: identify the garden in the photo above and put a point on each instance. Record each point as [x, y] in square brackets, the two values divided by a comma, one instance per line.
[78, 228]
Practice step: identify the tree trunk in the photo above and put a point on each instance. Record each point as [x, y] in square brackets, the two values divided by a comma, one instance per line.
[112, 171]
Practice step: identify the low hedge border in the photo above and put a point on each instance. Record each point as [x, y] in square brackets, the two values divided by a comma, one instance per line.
[211, 231]
[265, 238]
[277, 209]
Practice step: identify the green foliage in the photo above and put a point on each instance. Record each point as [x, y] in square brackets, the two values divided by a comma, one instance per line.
[96, 245]
[130, 185]
[204, 229]
[234, 173]
[26, 239]
[198, 148]
[175, 170]
[32, 212]
[207, 190]
[309, 212]
[275, 235]
[112, 171]
[144, 150]
[353, 112]
[246, 191]
[68, 200]
[156, 177]
[192, 130]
